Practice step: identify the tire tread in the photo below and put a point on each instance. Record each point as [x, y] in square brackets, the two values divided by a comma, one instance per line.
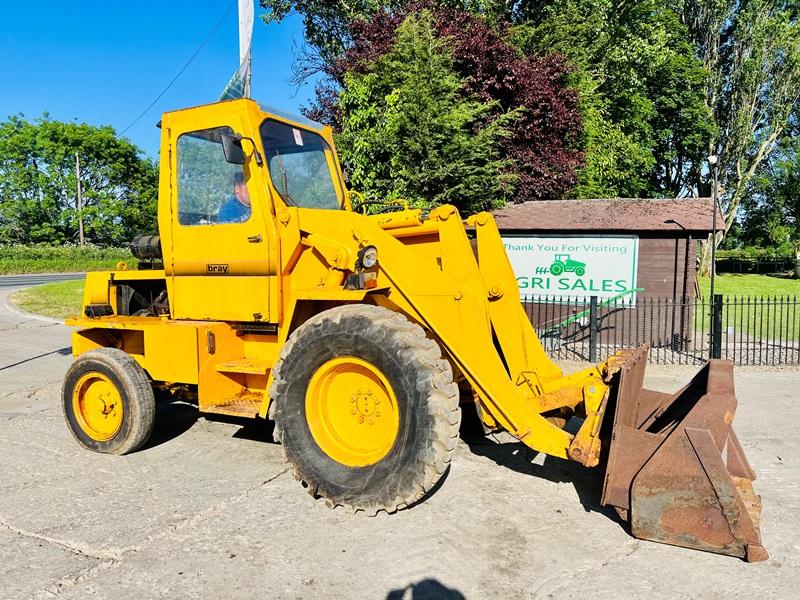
[138, 389]
[435, 379]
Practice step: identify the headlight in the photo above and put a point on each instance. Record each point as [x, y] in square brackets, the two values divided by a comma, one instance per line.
[368, 257]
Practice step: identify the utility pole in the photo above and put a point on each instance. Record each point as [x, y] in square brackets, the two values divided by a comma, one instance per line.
[715, 303]
[80, 200]
[249, 74]
[712, 161]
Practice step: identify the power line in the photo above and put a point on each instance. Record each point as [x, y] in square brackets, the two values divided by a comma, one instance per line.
[184, 67]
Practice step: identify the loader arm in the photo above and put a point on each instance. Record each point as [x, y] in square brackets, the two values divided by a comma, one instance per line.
[516, 385]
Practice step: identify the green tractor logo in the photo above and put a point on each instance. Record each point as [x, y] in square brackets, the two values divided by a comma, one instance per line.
[564, 264]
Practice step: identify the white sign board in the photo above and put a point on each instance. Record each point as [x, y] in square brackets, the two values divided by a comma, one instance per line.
[575, 266]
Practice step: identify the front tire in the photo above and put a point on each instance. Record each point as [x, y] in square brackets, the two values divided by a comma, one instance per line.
[366, 408]
[108, 402]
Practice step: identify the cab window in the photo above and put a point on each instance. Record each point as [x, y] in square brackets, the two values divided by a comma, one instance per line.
[210, 190]
[302, 166]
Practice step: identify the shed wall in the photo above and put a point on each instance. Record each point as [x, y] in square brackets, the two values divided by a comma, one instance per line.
[666, 267]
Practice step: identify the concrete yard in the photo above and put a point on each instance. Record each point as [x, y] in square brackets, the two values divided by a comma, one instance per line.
[209, 510]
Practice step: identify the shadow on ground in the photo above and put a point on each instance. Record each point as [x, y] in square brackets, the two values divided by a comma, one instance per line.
[176, 415]
[514, 455]
[173, 418]
[60, 352]
[427, 589]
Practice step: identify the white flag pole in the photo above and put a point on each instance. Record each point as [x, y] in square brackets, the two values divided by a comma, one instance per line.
[245, 43]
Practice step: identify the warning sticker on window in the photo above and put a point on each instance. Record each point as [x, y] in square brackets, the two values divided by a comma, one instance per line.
[298, 138]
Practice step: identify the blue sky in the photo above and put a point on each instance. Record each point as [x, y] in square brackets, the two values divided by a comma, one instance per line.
[103, 62]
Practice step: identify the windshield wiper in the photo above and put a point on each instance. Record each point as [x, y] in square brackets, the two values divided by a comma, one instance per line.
[285, 195]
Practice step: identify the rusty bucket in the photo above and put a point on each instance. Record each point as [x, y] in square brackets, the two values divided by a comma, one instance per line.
[675, 469]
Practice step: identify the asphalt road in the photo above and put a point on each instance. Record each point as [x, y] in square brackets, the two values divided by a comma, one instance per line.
[208, 510]
[28, 280]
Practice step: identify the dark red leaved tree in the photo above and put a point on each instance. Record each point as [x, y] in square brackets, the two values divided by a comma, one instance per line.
[546, 136]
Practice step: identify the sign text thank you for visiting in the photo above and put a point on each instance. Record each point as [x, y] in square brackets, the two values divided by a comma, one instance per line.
[575, 266]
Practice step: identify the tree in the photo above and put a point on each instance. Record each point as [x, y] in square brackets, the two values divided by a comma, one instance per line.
[38, 184]
[646, 125]
[326, 22]
[751, 51]
[407, 131]
[771, 208]
[645, 122]
[543, 150]
[545, 143]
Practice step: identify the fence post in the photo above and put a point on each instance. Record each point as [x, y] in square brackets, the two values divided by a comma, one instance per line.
[593, 329]
[716, 327]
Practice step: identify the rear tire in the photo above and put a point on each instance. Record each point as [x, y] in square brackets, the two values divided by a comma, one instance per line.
[108, 401]
[341, 457]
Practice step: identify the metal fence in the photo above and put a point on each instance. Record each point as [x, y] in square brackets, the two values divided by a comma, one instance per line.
[754, 265]
[747, 330]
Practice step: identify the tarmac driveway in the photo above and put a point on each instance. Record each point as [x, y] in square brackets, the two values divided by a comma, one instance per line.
[209, 510]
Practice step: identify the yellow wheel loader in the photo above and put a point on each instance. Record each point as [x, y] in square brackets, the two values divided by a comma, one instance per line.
[266, 295]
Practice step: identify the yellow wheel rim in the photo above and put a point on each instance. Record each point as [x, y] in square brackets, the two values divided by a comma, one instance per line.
[97, 405]
[352, 411]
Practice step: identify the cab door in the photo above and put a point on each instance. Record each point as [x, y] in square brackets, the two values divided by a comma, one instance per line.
[220, 264]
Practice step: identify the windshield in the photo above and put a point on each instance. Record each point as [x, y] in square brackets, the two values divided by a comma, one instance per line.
[301, 166]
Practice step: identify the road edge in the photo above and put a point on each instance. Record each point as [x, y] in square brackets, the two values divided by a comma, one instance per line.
[13, 308]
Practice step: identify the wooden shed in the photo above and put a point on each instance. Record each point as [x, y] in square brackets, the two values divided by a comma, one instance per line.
[621, 251]
[667, 232]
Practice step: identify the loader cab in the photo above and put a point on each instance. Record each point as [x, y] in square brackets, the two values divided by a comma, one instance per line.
[227, 169]
[216, 213]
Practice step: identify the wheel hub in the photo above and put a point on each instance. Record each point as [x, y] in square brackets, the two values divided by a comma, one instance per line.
[352, 411]
[97, 405]
[366, 406]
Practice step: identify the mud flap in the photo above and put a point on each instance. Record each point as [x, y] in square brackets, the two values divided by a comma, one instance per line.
[675, 469]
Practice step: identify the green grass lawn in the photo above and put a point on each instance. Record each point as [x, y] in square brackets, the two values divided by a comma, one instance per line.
[60, 300]
[762, 306]
[751, 285]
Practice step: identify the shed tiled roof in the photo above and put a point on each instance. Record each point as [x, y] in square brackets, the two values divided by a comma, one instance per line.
[619, 214]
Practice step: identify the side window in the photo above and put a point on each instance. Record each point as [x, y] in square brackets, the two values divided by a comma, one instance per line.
[210, 190]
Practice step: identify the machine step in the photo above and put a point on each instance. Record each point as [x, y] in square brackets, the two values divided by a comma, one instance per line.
[248, 366]
[245, 405]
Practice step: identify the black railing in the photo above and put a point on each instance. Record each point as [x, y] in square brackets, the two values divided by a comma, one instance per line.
[747, 330]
